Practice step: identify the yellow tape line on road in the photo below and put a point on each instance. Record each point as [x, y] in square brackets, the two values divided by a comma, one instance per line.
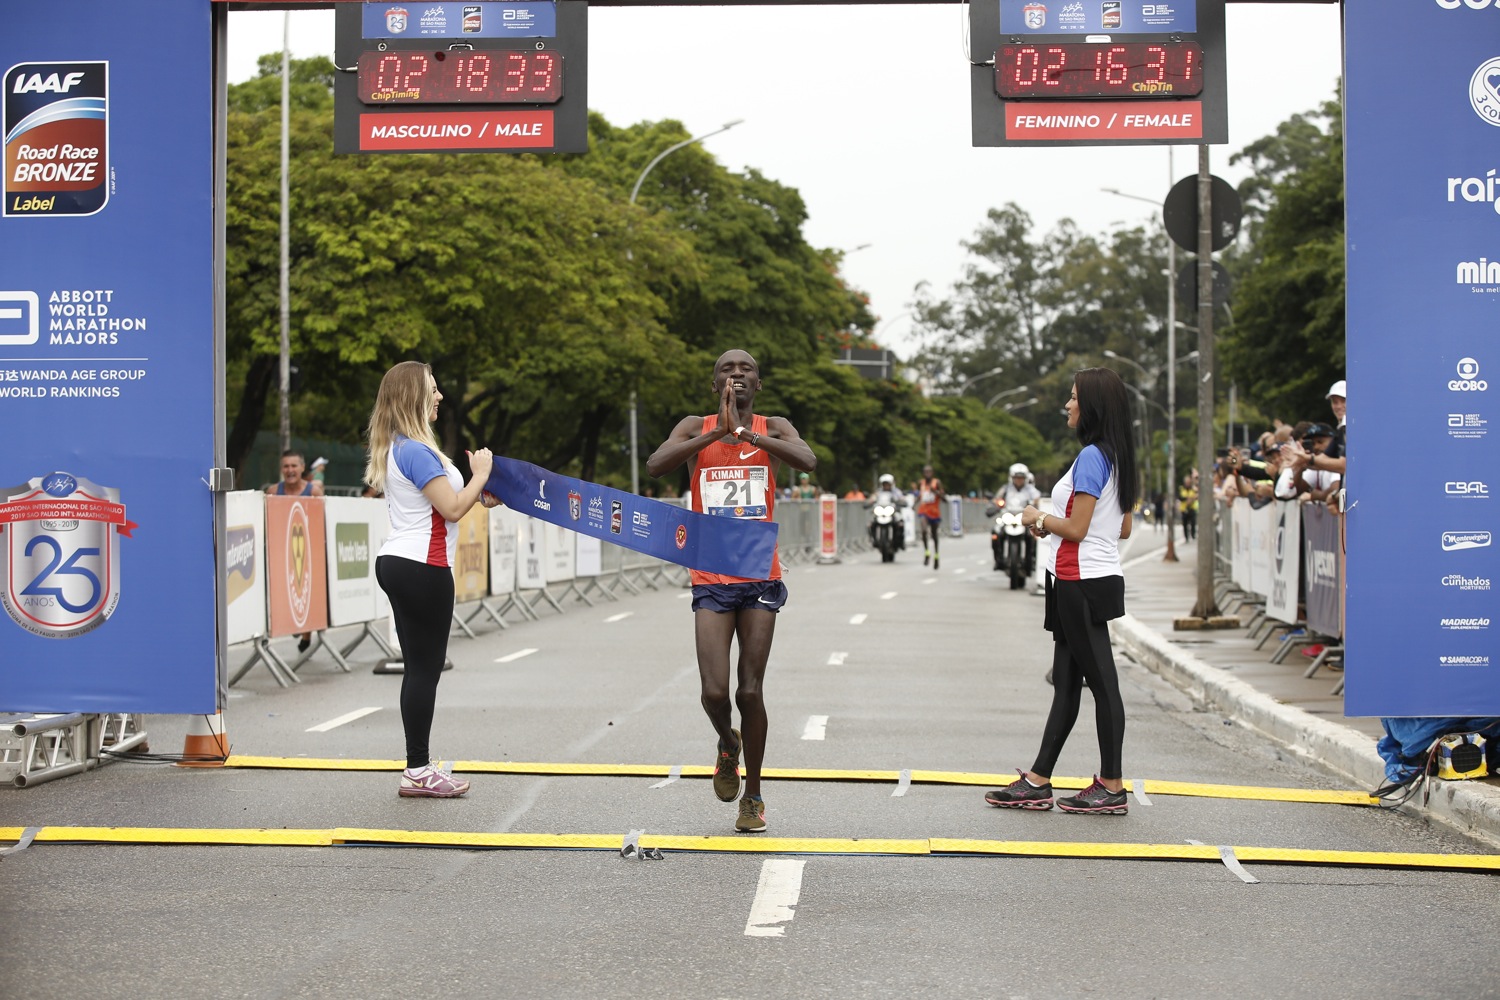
[354, 836]
[1152, 786]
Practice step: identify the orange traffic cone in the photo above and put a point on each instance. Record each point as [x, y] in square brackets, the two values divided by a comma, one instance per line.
[206, 743]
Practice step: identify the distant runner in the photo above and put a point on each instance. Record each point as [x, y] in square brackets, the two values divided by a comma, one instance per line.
[733, 458]
[930, 498]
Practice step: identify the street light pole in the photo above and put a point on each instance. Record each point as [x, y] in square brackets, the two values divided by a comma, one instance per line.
[1001, 395]
[635, 462]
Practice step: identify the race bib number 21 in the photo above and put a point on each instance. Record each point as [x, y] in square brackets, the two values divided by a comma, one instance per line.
[734, 491]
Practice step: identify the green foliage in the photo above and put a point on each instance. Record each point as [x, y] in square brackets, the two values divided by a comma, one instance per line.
[1286, 345]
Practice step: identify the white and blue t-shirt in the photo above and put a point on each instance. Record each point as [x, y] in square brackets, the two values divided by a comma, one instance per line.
[418, 531]
[1098, 555]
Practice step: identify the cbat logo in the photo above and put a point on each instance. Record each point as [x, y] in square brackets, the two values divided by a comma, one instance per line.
[1468, 378]
[395, 20]
[1470, 489]
[1458, 541]
[1484, 91]
[1471, 4]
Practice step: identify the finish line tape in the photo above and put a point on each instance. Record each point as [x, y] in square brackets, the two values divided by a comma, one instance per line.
[1152, 786]
[355, 837]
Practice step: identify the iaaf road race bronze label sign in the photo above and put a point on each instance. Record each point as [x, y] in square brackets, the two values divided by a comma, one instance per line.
[56, 122]
[60, 554]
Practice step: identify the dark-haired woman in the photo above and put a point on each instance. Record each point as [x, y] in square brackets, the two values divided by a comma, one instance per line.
[1085, 589]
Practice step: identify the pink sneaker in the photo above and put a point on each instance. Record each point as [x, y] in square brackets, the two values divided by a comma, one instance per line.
[431, 783]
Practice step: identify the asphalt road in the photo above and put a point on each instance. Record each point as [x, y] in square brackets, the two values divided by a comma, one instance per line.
[944, 672]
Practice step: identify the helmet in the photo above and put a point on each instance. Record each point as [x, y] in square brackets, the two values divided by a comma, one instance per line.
[888, 478]
[1019, 469]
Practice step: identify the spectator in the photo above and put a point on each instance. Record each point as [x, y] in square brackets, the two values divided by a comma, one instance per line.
[855, 494]
[805, 488]
[1187, 505]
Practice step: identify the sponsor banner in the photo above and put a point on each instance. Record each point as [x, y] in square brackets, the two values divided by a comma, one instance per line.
[828, 534]
[560, 565]
[107, 368]
[1262, 536]
[352, 542]
[244, 562]
[504, 538]
[471, 567]
[590, 552]
[1323, 559]
[729, 546]
[955, 516]
[1286, 561]
[1118, 17]
[1079, 120]
[468, 130]
[531, 553]
[1239, 541]
[1422, 213]
[296, 565]
[459, 20]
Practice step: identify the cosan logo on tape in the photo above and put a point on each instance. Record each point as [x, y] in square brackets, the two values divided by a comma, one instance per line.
[56, 128]
[1457, 541]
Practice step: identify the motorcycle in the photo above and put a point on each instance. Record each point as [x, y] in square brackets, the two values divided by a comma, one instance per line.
[886, 531]
[1008, 543]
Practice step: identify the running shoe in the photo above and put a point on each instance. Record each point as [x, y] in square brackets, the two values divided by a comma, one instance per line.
[1096, 800]
[727, 770]
[925, 557]
[934, 564]
[1021, 794]
[752, 815]
[431, 783]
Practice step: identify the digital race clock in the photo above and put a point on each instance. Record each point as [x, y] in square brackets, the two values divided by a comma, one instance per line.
[460, 76]
[1099, 69]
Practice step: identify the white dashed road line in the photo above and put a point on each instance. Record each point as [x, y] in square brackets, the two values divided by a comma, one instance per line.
[858, 619]
[358, 713]
[619, 617]
[930, 579]
[512, 657]
[817, 726]
[837, 659]
[888, 595]
[776, 898]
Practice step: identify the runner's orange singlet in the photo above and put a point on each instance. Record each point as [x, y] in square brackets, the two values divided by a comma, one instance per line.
[927, 501]
[735, 479]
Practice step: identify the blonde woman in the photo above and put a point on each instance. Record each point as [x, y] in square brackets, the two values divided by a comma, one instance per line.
[424, 496]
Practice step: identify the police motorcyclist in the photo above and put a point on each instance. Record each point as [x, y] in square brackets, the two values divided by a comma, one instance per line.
[1014, 497]
[887, 493]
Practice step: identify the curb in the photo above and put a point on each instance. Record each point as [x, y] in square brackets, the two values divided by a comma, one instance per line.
[1471, 807]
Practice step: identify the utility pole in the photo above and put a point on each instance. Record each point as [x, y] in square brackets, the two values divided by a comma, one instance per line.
[286, 241]
[1206, 607]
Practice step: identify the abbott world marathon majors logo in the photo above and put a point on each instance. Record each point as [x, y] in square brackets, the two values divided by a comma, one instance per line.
[56, 126]
[60, 554]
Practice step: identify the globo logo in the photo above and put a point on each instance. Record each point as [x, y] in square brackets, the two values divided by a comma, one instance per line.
[1468, 378]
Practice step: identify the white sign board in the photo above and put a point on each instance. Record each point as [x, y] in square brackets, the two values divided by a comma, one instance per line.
[245, 565]
[353, 531]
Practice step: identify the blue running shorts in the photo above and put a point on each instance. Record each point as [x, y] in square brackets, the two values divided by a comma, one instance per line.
[761, 595]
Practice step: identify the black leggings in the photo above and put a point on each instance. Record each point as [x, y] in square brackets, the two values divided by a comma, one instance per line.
[422, 607]
[1081, 651]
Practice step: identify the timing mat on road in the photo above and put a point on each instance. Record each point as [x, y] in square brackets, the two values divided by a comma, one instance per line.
[1150, 786]
[743, 844]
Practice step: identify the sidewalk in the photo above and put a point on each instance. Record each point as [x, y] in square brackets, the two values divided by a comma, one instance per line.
[1224, 671]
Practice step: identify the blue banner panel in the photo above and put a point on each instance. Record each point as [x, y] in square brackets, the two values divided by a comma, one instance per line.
[725, 545]
[1115, 17]
[1423, 148]
[459, 20]
[107, 358]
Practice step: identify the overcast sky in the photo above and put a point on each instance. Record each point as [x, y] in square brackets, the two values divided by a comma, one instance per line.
[865, 110]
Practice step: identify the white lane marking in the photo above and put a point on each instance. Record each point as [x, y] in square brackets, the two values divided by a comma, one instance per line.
[619, 617]
[837, 659]
[1138, 788]
[776, 898]
[358, 713]
[672, 776]
[858, 619]
[887, 595]
[902, 783]
[512, 657]
[687, 594]
[960, 570]
[817, 725]
[930, 579]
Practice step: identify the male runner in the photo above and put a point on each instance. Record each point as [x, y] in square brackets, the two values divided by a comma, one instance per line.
[733, 458]
[930, 498]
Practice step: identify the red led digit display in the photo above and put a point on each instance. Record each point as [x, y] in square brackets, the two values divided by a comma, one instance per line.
[497, 76]
[1099, 69]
